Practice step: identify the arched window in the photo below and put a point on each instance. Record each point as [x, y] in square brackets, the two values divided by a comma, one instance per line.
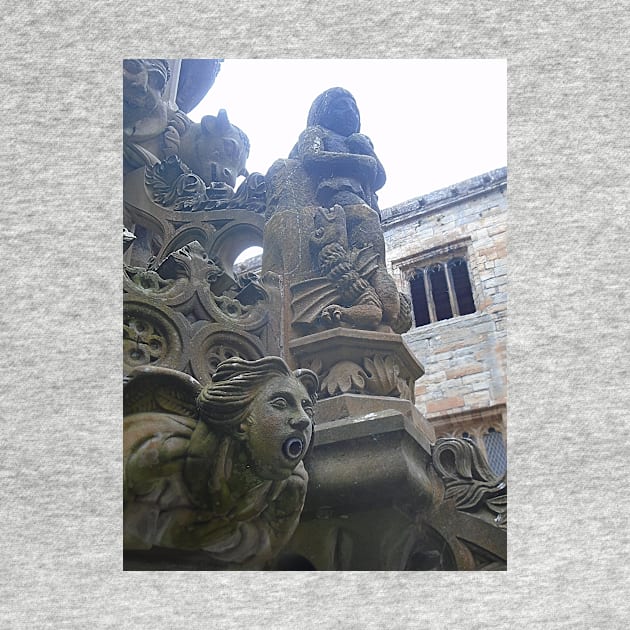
[441, 291]
[461, 286]
[419, 299]
[495, 451]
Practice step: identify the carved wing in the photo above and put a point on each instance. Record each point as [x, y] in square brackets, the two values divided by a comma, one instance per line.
[365, 261]
[310, 297]
[157, 389]
[160, 416]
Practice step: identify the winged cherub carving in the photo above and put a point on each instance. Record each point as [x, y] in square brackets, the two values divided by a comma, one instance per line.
[217, 468]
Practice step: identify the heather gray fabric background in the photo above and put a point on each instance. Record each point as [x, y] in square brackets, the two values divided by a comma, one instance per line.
[60, 401]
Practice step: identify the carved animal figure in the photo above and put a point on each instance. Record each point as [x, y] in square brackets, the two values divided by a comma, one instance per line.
[354, 289]
[217, 468]
[216, 150]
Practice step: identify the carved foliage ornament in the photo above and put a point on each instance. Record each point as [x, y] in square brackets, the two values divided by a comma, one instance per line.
[468, 479]
[188, 271]
[189, 314]
[378, 375]
[173, 185]
[217, 468]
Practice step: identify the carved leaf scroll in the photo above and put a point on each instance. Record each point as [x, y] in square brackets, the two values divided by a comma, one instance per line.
[173, 185]
[468, 479]
[343, 378]
[382, 374]
[378, 375]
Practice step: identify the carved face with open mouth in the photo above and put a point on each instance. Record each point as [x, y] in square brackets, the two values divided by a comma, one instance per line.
[279, 427]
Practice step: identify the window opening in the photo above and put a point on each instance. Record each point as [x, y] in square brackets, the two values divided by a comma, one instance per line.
[495, 451]
[419, 300]
[461, 286]
[249, 259]
[441, 291]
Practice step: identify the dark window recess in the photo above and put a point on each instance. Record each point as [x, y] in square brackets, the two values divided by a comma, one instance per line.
[461, 286]
[419, 301]
[441, 291]
[495, 450]
[439, 288]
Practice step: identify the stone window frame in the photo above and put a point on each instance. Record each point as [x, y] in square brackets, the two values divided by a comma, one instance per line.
[440, 254]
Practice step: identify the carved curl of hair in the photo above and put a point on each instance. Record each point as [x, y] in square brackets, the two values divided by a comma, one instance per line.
[224, 402]
[322, 103]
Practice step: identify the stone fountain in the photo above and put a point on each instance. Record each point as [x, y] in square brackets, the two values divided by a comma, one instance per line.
[269, 417]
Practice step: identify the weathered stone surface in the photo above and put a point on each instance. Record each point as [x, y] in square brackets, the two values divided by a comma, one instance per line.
[217, 469]
[184, 306]
[189, 314]
[340, 160]
[214, 477]
[376, 503]
[217, 151]
[352, 361]
[146, 111]
[324, 199]
[351, 410]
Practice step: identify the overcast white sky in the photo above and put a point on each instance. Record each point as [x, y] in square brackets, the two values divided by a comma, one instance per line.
[433, 122]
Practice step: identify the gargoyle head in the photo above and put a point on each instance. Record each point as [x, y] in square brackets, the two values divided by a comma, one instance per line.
[267, 407]
[215, 149]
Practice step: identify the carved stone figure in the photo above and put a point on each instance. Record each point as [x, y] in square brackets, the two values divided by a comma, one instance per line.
[216, 150]
[151, 127]
[218, 468]
[331, 177]
[190, 166]
[354, 289]
[336, 155]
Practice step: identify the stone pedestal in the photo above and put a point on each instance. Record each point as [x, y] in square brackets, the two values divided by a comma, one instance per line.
[375, 502]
